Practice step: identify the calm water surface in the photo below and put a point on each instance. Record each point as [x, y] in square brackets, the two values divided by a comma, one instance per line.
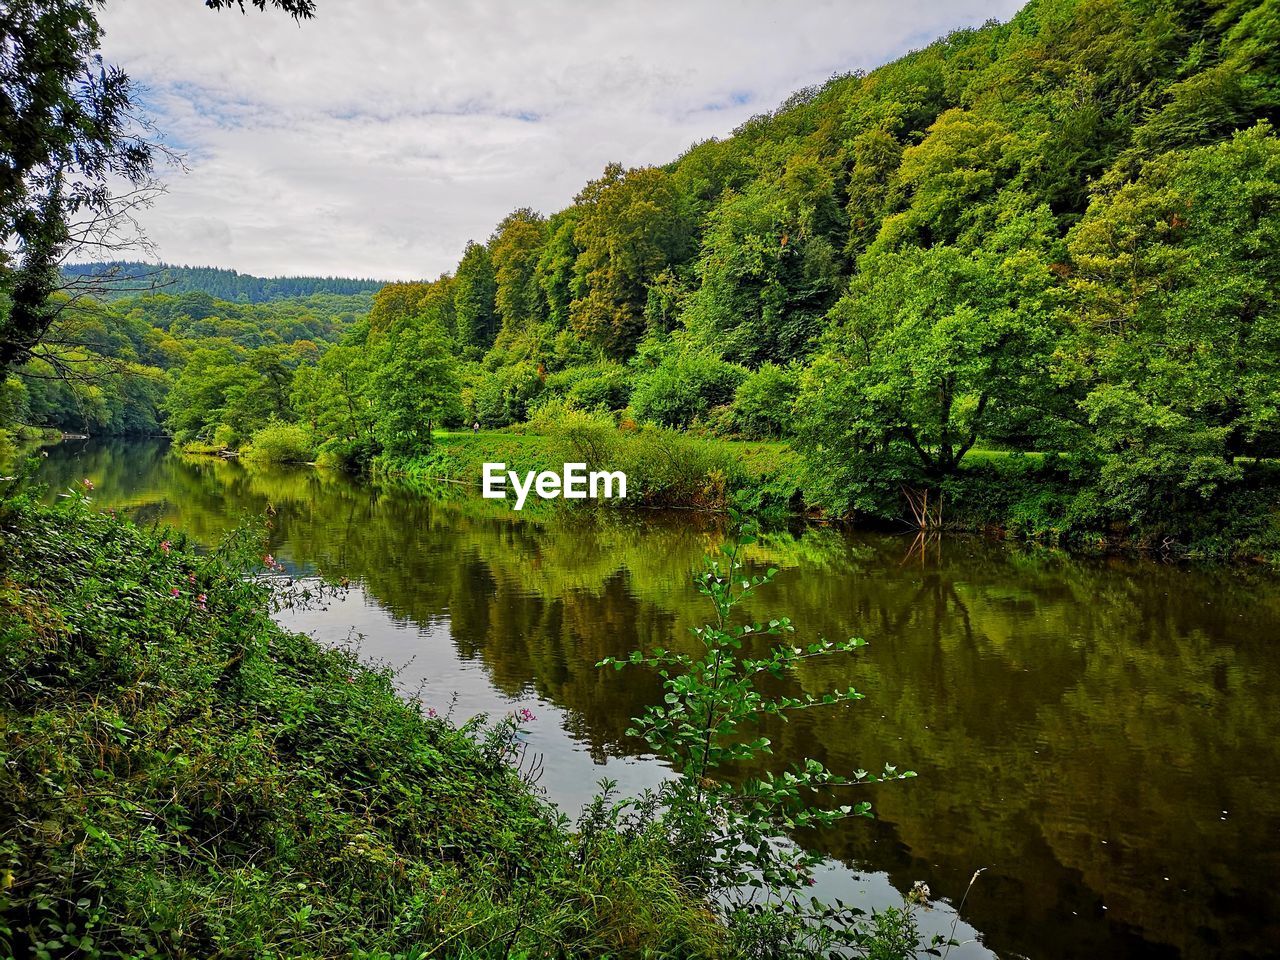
[1099, 735]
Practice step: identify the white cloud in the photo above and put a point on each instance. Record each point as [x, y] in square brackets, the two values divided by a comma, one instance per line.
[376, 139]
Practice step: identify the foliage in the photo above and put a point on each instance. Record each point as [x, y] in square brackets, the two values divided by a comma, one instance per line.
[181, 776]
[217, 282]
[632, 224]
[414, 385]
[281, 443]
[685, 386]
[68, 142]
[729, 831]
[1178, 288]
[762, 404]
[475, 298]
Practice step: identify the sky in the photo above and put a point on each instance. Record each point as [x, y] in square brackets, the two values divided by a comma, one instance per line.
[378, 138]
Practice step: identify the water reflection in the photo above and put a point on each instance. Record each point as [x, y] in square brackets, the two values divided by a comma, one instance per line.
[1099, 734]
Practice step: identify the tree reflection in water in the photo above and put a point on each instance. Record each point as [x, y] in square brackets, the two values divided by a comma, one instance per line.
[1099, 733]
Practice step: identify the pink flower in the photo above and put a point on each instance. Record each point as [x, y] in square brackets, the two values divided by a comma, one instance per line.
[165, 546]
[191, 579]
[525, 715]
[174, 592]
[268, 561]
[88, 484]
[431, 711]
[200, 601]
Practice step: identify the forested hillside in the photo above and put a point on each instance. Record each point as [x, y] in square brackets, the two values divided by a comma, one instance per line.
[129, 275]
[1032, 265]
[110, 368]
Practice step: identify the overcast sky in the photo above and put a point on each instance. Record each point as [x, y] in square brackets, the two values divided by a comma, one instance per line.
[376, 139]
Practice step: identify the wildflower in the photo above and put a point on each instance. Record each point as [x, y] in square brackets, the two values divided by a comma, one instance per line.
[165, 546]
[919, 893]
[431, 712]
[525, 715]
[191, 579]
[173, 592]
[268, 561]
[88, 484]
[200, 602]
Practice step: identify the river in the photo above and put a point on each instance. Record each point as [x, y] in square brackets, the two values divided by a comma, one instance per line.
[1100, 735]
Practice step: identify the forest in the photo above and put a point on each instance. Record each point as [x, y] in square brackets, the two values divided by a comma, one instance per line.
[215, 281]
[1030, 266]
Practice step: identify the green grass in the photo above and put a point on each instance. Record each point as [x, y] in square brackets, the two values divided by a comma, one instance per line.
[665, 468]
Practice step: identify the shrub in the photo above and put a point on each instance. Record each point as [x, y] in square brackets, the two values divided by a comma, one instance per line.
[684, 386]
[730, 832]
[762, 403]
[225, 437]
[505, 395]
[605, 387]
[281, 443]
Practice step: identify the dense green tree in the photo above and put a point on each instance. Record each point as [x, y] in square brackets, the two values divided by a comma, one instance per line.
[762, 404]
[395, 303]
[632, 225]
[516, 246]
[1179, 291]
[930, 345]
[414, 385]
[475, 298]
[685, 386]
[556, 267]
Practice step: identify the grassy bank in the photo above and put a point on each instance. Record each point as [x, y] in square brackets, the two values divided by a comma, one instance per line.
[1035, 497]
[665, 468]
[181, 777]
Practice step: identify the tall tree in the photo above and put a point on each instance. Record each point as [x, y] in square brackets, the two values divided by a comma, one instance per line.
[516, 246]
[632, 225]
[415, 385]
[475, 298]
[67, 137]
[1178, 284]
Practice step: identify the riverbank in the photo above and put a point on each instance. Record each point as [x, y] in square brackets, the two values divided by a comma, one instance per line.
[665, 469]
[182, 777]
[1035, 498]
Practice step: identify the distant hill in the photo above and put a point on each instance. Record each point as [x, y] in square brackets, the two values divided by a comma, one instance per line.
[215, 281]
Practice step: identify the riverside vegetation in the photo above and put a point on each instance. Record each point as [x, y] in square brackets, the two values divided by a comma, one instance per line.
[181, 776]
[1025, 269]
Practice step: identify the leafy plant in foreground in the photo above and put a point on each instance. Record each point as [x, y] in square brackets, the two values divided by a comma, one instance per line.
[728, 833]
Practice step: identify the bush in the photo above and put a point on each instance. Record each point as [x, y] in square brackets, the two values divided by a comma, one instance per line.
[762, 403]
[604, 386]
[225, 437]
[504, 396]
[684, 386]
[281, 443]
